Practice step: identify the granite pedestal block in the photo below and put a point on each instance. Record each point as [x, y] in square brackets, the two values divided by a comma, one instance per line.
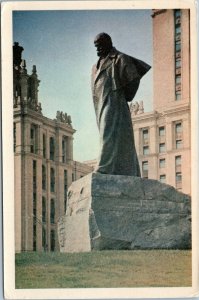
[124, 212]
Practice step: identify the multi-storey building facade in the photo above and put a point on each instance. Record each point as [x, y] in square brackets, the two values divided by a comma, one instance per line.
[44, 166]
[162, 136]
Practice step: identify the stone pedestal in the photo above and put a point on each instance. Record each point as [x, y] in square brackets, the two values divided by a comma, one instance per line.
[124, 212]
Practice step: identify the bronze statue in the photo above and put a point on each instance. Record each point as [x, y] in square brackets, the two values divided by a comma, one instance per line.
[115, 81]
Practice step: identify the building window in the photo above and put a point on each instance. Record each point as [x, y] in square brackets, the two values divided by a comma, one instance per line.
[177, 13]
[145, 168]
[33, 139]
[146, 150]
[178, 144]
[178, 95]
[52, 180]
[44, 246]
[178, 46]
[14, 136]
[52, 240]
[162, 163]
[163, 178]
[161, 131]
[34, 175]
[178, 64]
[178, 160]
[34, 211]
[44, 145]
[34, 205]
[145, 134]
[178, 180]
[178, 177]
[52, 211]
[65, 188]
[178, 127]
[34, 234]
[43, 177]
[43, 210]
[178, 80]
[177, 22]
[73, 177]
[177, 30]
[162, 147]
[52, 148]
[178, 163]
[64, 149]
[145, 165]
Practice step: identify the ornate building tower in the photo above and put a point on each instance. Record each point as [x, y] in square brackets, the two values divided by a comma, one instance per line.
[163, 136]
[44, 166]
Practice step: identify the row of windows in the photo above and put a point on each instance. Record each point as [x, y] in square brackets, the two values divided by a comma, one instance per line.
[44, 240]
[178, 176]
[162, 132]
[52, 148]
[44, 210]
[162, 147]
[52, 180]
[162, 163]
[34, 144]
[177, 24]
[36, 220]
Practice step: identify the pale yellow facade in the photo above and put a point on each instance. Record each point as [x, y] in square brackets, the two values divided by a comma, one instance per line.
[163, 136]
[44, 166]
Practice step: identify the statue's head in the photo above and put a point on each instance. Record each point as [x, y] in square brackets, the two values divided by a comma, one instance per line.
[103, 43]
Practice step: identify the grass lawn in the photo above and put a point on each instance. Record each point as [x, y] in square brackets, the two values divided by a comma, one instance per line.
[104, 269]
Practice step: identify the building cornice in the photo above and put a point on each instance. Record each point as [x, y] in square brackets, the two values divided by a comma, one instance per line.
[29, 113]
[157, 12]
[177, 109]
[154, 115]
[145, 116]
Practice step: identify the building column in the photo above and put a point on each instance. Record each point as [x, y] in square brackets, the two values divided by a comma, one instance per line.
[48, 198]
[39, 205]
[47, 144]
[40, 141]
[137, 142]
[59, 138]
[169, 135]
[153, 139]
[27, 194]
[70, 150]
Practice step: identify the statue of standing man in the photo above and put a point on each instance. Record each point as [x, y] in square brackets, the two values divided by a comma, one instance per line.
[115, 81]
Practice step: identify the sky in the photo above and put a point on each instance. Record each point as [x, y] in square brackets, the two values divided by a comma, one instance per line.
[60, 44]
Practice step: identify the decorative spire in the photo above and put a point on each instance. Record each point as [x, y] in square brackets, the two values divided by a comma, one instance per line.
[23, 66]
[34, 69]
[25, 86]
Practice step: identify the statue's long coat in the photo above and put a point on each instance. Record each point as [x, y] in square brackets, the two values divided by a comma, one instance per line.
[118, 75]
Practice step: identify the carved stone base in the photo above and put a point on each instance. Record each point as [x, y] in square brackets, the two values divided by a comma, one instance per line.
[124, 212]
